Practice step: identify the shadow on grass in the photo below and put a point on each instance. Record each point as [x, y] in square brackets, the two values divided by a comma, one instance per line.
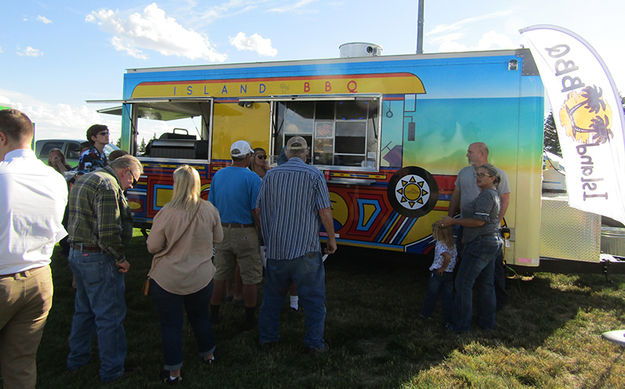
[376, 338]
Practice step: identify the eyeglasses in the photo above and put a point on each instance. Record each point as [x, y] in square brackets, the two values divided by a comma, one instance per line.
[134, 180]
[261, 156]
[482, 175]
[103, 133]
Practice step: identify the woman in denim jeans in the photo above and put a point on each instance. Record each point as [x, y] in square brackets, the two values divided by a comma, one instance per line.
[481, 242]
[181, 277]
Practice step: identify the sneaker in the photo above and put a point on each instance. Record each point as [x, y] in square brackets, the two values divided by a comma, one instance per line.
[210, 360]
[167, 379]
[172, 380]
[319, 350]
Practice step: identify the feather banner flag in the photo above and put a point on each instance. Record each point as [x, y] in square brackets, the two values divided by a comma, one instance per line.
[588, 113]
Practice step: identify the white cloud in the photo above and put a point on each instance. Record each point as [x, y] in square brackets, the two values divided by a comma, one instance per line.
[494, 40]
[491, 40]
[153, 30]
[5, 101]
[30, 52]
[471, 33]
[230, 8]
[43, 19]
[445, 28]
[254, 42]
[291, 7]
[59, 120]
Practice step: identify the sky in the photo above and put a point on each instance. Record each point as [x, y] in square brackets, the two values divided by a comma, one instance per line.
[56, 55]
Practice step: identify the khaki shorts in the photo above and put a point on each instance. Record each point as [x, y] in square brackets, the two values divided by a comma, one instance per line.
[240, 246]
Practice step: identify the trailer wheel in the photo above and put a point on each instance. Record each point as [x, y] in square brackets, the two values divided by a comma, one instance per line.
[412, 191]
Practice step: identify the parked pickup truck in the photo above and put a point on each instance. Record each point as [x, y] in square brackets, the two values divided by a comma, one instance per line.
[69, 147]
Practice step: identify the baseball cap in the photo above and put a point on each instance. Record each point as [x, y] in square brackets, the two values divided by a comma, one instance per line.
[296, 143]
[240, 148]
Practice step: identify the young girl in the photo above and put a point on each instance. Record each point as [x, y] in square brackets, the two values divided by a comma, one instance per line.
[441, 278]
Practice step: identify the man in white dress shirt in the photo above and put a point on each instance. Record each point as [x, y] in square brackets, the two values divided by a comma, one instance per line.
[32, 201]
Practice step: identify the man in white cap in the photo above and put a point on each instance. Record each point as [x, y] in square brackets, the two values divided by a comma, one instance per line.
[233, 191]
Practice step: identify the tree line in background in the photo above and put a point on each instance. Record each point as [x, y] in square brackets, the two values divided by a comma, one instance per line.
[140, 148]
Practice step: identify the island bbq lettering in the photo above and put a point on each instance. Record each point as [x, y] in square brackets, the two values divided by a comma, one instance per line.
[242, 89]
[327, 86]
[565, 69]
[590, 183]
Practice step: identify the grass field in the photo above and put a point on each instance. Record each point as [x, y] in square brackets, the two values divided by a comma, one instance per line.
[548, 336]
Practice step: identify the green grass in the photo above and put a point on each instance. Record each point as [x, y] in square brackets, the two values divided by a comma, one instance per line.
[548, 336]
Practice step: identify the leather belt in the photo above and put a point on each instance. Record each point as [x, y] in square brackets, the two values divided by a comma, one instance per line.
[24, 273]
[86, 248]
[237, 225]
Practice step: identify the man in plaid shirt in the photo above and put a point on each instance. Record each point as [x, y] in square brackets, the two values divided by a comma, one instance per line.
[100, 226]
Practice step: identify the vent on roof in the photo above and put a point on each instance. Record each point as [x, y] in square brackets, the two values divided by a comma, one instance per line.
[360, 49]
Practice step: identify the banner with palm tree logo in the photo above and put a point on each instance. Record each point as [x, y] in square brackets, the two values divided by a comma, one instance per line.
[589, 118]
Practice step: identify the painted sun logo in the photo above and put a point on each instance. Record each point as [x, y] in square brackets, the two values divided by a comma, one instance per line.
[412, 191]
[586, 116]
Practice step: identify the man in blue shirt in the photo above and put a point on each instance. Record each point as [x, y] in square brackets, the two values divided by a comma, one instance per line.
[233, 191]
[292, 203]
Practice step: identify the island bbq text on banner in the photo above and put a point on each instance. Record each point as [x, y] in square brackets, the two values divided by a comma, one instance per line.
[589, 118]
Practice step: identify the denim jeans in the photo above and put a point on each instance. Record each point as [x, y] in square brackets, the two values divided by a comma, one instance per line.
[439, 285]
[99, 309]
[501, 293]
[170, 311]
[477, 268]
[308, 274]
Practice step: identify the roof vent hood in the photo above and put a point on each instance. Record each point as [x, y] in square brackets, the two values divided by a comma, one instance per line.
[360, 49]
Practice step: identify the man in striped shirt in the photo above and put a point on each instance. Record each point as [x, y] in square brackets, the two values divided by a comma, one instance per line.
[292, 203]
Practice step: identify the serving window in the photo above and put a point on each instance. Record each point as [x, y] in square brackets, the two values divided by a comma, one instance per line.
[182, 125]
[339, 133]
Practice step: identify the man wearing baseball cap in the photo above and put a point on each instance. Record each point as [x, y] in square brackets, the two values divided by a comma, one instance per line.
[233, 191]
[293, 203]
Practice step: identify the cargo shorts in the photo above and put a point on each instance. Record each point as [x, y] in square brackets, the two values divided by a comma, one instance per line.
[239, 246]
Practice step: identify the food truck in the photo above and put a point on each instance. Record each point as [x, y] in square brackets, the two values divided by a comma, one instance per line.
[389, 133]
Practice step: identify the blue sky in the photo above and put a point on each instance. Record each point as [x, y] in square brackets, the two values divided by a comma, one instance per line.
[55, 55]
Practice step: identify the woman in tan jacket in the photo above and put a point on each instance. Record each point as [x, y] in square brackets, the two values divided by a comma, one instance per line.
[181, 277]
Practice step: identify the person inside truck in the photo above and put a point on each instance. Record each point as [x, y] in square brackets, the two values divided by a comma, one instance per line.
[258, 163]
[94, 157]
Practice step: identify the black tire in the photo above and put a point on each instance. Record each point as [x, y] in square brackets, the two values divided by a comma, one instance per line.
[412, 191]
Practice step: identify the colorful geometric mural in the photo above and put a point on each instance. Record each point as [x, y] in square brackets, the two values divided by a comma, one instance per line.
[431, 108]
